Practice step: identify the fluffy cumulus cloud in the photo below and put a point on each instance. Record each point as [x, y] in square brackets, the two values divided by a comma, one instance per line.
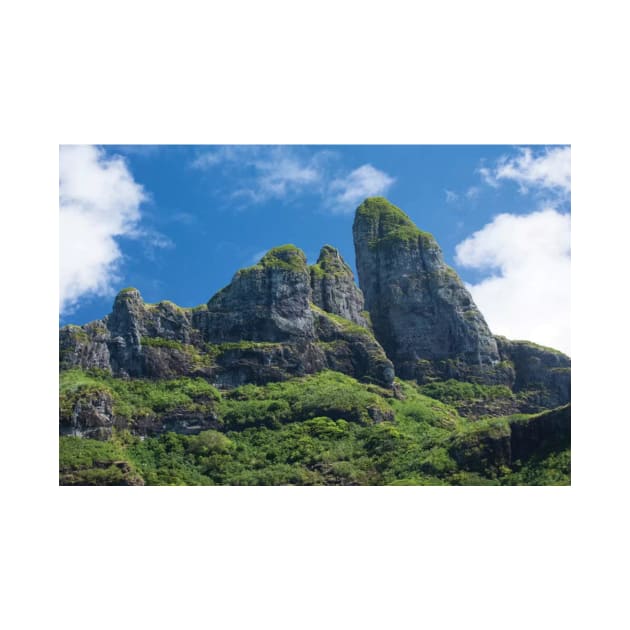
[98, 202]
[527, 292]
[365, 181]
[283, 172]
[549, 169]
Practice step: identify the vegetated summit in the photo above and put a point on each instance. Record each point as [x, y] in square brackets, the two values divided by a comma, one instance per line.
[293, 375]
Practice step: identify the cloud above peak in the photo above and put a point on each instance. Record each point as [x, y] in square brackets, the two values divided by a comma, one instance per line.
[349, 191]
[265, 173]
[99, 200]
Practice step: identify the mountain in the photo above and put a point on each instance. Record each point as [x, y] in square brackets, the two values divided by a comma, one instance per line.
[292, 374]
[427, 321]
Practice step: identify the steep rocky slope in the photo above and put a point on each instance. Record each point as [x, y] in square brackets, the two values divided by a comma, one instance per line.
[427, 321]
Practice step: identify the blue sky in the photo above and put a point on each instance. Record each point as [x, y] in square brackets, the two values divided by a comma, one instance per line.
[178, 221]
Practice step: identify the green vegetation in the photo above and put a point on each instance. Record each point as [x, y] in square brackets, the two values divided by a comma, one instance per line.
[160, 342]
[330, 263]
[193, 353]
[317, 271]
[327, 393]
[403, 236]
[552, 470]
[167, 305]
[473, 400]
[345, 324]
[325, 428]
[135, 398]
[94, 463]
[529, 344]
[386, 213]
[285, 257]
[455, 392]
[396, 228]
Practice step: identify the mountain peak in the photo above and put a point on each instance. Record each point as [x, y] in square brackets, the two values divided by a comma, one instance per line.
[287, 257]
[420, 309]
[334, 289]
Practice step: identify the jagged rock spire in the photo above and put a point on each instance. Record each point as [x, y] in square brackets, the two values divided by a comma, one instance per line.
[334, 289]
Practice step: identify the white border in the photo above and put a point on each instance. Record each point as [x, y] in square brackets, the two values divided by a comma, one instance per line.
[281, 72]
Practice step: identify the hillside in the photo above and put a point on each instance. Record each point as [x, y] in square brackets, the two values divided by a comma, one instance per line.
[291, 374]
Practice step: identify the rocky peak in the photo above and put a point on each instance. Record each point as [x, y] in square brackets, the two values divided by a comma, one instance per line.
[126, 327]
[419, 307]
[126, 312]
[334, 289]
[267, 302]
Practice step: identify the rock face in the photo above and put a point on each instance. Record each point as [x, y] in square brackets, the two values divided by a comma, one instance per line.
[334, 289]
[264, 326]
[267, 302]
[420, 309]
[519, 439]
[542, 376]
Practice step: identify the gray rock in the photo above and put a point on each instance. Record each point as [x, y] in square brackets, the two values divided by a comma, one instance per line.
[334, 289]
[542, 375]
[420, 309]
[262, 327]
[90, 415]
[266, 302]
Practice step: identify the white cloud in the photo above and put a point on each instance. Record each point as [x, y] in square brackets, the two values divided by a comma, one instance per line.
[277, 171]
[225, 153]
[98, 201]
[527, 295]
[283, 172]
[550, 169]
[472, 192]
[451, 196]
[365, 181]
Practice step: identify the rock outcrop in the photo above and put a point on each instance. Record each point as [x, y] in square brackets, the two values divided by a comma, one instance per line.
[542, 376]
[420, 310]
[264, 326]
[267, 302]
[334, 289]
[516, 440]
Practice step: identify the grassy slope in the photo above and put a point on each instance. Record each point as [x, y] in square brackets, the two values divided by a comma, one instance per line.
[312, 430]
